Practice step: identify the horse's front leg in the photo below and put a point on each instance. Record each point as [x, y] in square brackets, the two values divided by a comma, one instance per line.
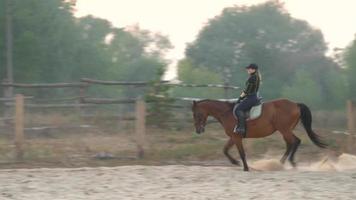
[238, 141]
[226, 149]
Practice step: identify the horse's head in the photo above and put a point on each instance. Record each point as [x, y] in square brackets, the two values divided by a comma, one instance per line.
[200, 117]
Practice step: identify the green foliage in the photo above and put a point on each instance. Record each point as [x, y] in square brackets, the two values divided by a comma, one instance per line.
[188, 73]
[267, 35]
[335, 84]
[131, 61]
[51, 45]
[159, 100]
[303, 89]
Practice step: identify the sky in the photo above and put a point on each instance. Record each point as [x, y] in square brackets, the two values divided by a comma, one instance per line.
[181, 20]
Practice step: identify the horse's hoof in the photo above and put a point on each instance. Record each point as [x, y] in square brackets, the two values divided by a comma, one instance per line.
[235, 162]
[246, 169]
[282, 161]
[294, 165]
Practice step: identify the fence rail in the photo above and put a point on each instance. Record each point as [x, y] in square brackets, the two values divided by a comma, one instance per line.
[11, 99]
[123, 83]
[107, 101]
[85, 82]
[51, 105]
[143, 83]
[46, 85]
[203, 85]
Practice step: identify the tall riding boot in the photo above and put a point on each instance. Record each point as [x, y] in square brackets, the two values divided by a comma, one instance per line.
[241, 127]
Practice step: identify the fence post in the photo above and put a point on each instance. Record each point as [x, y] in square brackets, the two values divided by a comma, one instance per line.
[19, 126]
[140, 127]
[81, 101]
[350, 124]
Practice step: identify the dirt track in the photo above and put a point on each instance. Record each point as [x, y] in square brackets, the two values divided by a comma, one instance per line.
[174, 182]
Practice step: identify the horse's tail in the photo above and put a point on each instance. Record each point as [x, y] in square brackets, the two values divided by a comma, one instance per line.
[306, 118]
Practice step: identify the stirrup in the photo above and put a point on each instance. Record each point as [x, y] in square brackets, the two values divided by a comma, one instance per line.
[239, 130]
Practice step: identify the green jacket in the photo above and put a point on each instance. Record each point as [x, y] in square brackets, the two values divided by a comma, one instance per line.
[252, 84]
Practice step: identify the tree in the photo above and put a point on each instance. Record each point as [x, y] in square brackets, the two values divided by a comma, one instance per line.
[133, 60]
[51, 45]
[334, 87]
[190, 74]
[265, 34]
[45, 37]
[304, 89]
[159, 101]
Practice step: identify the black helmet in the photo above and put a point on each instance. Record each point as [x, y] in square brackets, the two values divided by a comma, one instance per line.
[252, 66]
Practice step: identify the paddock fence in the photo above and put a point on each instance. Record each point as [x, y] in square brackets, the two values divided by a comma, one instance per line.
[19, 113]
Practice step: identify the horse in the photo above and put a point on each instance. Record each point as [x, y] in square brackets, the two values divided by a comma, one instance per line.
[280, 115]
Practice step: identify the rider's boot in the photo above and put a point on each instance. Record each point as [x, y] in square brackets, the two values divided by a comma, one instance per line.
[240, 128]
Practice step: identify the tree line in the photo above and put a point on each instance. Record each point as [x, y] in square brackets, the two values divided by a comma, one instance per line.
[52, 45]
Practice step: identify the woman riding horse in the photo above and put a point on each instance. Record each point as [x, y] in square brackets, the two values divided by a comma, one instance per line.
[247, 99]
[280, 115]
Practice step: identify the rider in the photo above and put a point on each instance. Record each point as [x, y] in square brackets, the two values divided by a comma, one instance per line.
[248, 98]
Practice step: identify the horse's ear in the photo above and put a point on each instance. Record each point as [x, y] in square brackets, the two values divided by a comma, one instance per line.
[194, 104]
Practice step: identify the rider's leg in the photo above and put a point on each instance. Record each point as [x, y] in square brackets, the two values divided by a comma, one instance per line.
[240, 110]
[241, 127]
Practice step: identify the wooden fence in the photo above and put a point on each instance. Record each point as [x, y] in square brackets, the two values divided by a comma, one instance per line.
[19, 127]
[82, 100]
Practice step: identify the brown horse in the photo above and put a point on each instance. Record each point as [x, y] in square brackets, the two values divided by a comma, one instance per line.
[279, 115]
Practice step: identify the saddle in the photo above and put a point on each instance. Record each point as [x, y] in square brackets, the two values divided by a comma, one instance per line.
[255, 112]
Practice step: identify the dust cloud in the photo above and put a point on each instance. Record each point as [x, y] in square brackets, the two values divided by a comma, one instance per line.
[341, 163]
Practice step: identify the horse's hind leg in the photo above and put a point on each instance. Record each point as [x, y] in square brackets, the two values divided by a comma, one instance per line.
[294, 148]
[293, 143]
[227, 147]
[288, 149]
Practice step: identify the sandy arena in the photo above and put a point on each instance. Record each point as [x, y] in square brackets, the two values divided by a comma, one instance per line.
[323, 180]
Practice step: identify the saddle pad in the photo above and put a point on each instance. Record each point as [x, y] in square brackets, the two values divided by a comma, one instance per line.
[255, 112]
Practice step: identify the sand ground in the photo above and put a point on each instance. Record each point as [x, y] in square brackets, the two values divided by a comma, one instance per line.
[323, 180]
